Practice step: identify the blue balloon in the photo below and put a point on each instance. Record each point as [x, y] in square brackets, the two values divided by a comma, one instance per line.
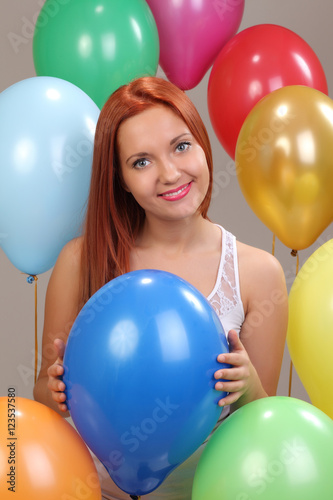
[139, 374]
[47, 130]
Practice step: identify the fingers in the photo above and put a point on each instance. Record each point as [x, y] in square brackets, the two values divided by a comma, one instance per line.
[58, 395]
[54, 383]
[63, 407]
[238, 373]
[235, 343]
[230, 398]
[235, 359]
[227, 386]
[233, 379]
[236, 350]
[55, 370]
[55, 373]
[59, 346]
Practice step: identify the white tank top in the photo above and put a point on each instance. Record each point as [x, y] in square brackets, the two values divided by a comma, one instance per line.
[225, 296]
[227, 303]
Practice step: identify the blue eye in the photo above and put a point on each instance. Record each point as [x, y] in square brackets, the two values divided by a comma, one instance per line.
[183, 146]
[140, 163]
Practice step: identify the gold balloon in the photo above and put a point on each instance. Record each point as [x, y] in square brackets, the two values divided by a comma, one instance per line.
[310, 328]
[284, 163]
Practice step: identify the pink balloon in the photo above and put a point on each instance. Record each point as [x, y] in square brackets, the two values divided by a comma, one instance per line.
[192, 33]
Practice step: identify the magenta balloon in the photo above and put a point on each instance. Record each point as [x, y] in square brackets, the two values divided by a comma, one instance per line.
[192, 33]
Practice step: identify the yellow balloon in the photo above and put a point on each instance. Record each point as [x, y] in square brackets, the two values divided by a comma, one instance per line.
[310, 329]
[284, 163]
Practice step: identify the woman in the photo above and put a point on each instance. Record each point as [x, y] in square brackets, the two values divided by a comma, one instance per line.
[150, 193]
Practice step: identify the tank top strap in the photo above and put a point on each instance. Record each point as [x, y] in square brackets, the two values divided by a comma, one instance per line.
[226, 293]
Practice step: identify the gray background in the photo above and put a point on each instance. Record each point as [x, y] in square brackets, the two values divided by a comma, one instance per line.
[310, 19]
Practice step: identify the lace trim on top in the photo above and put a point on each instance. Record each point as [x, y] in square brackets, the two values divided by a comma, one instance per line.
[226, 295]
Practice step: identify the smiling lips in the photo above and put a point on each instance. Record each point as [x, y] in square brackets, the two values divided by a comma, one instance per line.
[176, 194]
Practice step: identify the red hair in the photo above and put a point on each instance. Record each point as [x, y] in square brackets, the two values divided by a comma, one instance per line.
[114, 218]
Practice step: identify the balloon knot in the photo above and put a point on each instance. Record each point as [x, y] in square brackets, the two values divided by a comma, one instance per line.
[134, 497]
[294, 253]
[31, 279]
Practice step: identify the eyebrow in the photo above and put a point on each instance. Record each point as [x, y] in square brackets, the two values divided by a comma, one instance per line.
[179, 137]
[144, 153]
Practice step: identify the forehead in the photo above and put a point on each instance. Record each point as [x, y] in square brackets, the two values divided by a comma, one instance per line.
[154, 123]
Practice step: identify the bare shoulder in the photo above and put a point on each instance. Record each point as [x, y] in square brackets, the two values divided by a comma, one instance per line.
[262, 260]
[69, 259]
[260, 273]
[71, 252]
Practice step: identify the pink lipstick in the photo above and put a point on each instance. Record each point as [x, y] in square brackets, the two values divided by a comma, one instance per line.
[176, 194]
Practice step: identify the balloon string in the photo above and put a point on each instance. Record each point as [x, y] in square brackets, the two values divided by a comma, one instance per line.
[294, 253]
[273, 245]
[33, 279]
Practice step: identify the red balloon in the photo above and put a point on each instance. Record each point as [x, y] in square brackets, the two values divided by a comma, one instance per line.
[252, 64]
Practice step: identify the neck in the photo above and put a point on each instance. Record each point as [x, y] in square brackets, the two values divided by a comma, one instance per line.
[173, 236]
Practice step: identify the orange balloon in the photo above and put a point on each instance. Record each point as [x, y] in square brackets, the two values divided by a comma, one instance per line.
[284, 163]
[41, 455]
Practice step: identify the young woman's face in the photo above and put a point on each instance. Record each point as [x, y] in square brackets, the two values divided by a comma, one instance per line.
[161, 164]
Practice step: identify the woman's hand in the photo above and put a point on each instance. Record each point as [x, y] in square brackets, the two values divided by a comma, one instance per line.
[241, 380]
[55, 373]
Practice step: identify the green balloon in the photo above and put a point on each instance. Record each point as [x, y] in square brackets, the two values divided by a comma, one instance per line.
[275, 448]
[98, 45]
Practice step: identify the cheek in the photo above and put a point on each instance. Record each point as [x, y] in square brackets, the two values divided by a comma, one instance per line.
[139, 186]
[204, 172]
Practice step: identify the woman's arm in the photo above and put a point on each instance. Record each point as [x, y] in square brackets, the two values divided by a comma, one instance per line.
[61, 307]
[257, 356]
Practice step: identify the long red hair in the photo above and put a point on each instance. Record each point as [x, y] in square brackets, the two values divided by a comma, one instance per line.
[114, 218]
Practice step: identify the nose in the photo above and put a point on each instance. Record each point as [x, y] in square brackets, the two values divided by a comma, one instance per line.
[168, 171]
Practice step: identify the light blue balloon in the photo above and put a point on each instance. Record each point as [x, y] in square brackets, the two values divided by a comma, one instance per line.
[47, 128]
